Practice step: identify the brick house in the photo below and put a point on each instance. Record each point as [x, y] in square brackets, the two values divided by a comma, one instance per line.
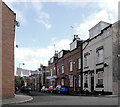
[52, 75]
[8, 35]
[69, 66]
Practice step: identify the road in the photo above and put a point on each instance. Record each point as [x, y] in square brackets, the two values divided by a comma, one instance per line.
[59, 99]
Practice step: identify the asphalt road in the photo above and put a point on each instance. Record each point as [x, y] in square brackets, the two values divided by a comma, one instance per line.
[59, 99]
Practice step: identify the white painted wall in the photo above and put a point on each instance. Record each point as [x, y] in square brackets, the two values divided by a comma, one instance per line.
[104, 40]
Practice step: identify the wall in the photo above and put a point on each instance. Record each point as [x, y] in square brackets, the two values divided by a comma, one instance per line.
[8, 34]
[70, 56]
[105, 40]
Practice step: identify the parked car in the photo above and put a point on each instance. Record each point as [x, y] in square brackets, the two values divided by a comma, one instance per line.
[58, 89]
[44, 89]
[62, 89]
[51, 89]
[25, 89]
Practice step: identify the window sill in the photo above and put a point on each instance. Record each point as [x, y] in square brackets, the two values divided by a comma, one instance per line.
[70, 71]
[100, 63]
[99, 86]
[86, 67]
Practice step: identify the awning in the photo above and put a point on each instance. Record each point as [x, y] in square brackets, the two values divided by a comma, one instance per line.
[51, 77]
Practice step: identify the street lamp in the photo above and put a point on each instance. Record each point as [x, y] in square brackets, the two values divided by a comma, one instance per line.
[21, 64]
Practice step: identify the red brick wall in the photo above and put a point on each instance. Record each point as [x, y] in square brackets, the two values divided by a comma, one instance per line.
[8, 34]
[73, 55]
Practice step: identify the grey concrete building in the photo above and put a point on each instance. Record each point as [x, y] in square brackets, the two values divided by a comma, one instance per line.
[100, 59]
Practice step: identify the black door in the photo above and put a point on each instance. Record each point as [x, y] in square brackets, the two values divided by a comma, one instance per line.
[92, 83]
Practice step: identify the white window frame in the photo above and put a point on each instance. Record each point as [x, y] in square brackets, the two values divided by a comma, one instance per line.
[100, 56]
[71, 66]
[62, 81]
[62, 69]
[79, 81]
[86, 61]
[79, 63]
[71, 80]
[100, 78]
[57, 70]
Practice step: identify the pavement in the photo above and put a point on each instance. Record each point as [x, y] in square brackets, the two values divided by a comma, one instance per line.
[21, 98]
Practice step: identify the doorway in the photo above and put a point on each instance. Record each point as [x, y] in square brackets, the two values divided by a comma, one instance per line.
[74, 83]
[92, 83]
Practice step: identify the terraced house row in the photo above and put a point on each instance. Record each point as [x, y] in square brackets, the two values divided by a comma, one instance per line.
[90, 66]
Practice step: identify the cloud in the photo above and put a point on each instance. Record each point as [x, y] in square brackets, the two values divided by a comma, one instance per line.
[44, 19]
[21, 11]
[107, 13]
[33, 57]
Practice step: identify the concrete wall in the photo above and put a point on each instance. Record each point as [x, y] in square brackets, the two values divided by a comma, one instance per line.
[104, 40]
[116, 60]
[8, 34]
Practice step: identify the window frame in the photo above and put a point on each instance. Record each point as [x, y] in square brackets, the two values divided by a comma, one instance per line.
[70, 66]
[62, 69]
[79, 63]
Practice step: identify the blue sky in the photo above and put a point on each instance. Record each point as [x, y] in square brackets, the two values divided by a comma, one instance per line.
[43, 24]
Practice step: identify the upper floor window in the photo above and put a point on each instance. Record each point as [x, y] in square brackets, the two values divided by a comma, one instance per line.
[71, 66]
[79, 63]
[62, 69]
[57, 70]
[99, 55]
[86, 60]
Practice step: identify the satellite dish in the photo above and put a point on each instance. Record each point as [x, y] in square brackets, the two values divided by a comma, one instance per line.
[17, 23]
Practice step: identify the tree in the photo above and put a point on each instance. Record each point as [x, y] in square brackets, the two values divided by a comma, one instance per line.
[17, 81]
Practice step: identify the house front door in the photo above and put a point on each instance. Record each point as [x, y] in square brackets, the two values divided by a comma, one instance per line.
[74, 83]
[92, 83]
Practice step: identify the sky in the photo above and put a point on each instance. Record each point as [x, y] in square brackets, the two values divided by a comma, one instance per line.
[49, 26]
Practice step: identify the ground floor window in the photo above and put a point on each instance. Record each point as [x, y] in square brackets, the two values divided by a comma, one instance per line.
[79, 82]
[86, 80]
[100, 79]
[62, 81]
[71, 80]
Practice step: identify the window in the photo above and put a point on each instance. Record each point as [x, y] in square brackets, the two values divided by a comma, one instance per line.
[70, 66]
[71, 80]
[85, 60]
[54, 70]
[79, 63]
[99, 56]
[100, 78]
[86, 80]
[62, 69]
[62, 82]
[79, 83]
[57, 70]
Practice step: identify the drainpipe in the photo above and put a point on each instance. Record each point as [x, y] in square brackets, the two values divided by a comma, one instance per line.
[82, 49]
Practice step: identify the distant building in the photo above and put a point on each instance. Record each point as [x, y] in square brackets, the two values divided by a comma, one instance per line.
[7, 42]
[52, 75]
[100, 60]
